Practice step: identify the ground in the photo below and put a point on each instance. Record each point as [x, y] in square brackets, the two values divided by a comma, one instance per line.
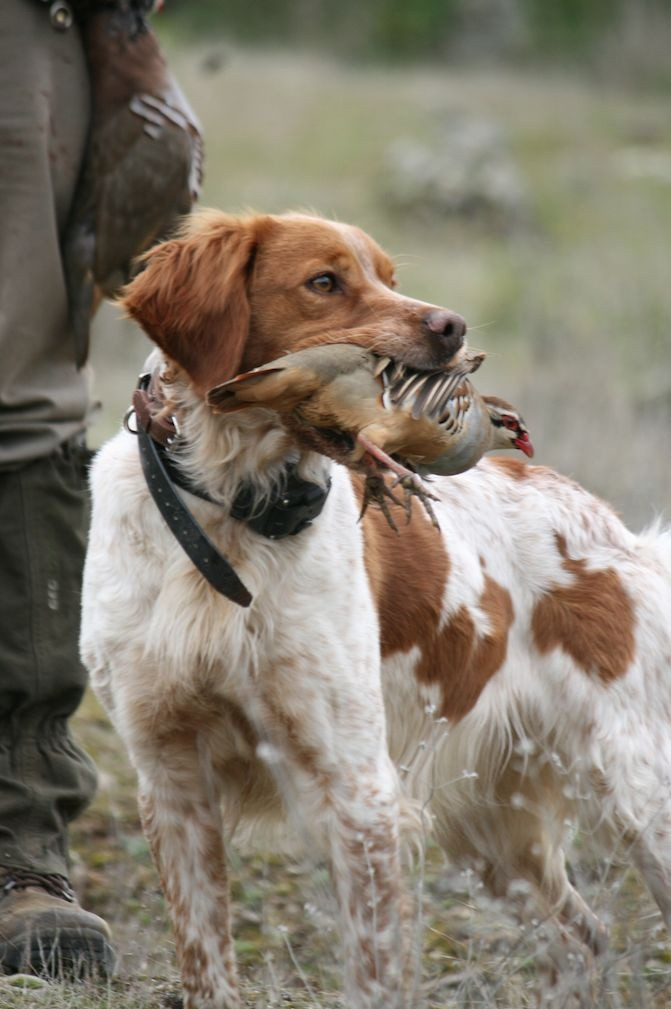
[472, 952]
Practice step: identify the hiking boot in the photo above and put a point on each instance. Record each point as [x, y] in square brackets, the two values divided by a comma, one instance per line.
[43, 930]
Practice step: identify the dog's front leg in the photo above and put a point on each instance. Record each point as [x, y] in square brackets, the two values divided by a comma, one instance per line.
[180, 813]
[365, 865]
[336, 774]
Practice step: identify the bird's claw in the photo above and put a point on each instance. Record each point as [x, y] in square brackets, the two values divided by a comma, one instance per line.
[413, 487]
[375, 489]
[379, 492]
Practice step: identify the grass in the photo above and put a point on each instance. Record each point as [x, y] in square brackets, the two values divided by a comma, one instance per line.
[475, 952]
[574, 307]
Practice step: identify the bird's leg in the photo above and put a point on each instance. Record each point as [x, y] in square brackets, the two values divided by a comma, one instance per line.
[411, 483]
[375, 489]
[378, 453]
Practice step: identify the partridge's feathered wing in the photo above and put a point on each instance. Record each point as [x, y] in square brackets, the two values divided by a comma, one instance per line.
[143, 165]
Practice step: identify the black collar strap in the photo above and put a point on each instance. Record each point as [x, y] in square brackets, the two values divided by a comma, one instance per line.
[291, 509]
[177, 476]
[196, 544]
[293, 506]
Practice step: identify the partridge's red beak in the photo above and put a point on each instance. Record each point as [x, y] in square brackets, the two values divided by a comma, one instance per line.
[523, 443]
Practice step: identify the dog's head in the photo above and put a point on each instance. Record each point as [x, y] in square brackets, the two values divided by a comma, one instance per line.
[231, 293]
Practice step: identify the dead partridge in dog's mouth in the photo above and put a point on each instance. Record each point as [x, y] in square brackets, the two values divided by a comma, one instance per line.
[361, 409]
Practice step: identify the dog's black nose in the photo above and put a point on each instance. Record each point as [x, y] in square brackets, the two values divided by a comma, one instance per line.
[445, 323]
[448, 325]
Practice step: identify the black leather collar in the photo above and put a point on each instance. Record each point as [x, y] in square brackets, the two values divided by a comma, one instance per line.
[292, 508]
[193, 540]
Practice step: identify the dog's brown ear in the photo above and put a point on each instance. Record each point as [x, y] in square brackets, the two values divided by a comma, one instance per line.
[191, 297]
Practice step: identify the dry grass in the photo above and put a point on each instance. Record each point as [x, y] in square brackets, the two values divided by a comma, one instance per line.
[574, 308]
[474, 953]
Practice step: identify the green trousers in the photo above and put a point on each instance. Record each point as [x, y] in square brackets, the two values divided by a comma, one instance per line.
[45, 779]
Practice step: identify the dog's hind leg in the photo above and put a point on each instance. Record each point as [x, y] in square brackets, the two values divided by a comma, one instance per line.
[511, 832]
[639, 824]
[630, 784]
[652, 857]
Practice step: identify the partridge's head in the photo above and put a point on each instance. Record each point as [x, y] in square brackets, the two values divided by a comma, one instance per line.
[508, 428]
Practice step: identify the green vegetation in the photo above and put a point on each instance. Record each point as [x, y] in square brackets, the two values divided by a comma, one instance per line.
[531, 31]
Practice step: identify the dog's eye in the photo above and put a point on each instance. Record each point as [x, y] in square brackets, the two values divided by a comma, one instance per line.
[325, 283]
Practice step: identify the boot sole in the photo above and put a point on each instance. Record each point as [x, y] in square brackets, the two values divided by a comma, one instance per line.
[66, 953]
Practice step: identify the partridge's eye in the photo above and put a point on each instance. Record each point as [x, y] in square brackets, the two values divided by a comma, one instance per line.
[509, 422]
[325, 283]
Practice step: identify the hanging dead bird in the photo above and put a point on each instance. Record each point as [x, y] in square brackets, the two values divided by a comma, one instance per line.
[143, 165]
[373, 414]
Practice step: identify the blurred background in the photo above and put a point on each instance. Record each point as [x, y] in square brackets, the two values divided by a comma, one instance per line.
[514, 156]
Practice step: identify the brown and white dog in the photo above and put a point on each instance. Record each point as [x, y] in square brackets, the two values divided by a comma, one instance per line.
[515, 666]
